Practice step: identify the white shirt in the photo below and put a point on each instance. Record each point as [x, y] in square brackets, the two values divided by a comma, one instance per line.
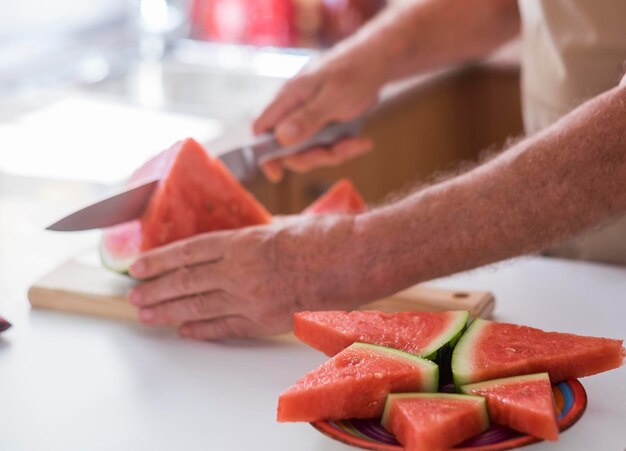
[573, 50]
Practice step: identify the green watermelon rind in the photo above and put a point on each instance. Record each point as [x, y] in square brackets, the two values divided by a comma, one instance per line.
[448, 337]
[512, 382]
[462, 355]
[393, 396]
[119, 265]
[430, 369]
[467, 388]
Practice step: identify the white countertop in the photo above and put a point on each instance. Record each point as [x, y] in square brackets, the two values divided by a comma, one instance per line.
[75, 383]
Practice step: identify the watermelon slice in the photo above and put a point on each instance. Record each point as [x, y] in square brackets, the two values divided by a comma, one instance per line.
[420, 333]
[342, 197]
[524, 403]
[490, 350]
[354, 384]
[196, 194]
[434, 421]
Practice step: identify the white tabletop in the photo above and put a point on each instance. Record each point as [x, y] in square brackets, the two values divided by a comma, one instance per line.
[74, 383]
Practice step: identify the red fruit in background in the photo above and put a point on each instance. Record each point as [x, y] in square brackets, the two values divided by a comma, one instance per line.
[255, 22]
[342, 197]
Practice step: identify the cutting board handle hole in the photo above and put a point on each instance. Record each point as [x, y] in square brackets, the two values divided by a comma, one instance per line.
[461, 295]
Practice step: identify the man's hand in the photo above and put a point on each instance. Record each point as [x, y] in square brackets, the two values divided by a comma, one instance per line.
[249, 282]
[339, 87]
[402, 40]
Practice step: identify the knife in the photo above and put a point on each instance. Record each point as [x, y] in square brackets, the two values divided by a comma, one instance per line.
[131, 201]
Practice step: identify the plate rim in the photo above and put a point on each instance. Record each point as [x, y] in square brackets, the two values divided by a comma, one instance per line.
[576, 411]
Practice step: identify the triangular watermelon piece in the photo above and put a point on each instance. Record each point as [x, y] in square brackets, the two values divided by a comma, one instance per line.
[524, 403]
[196, 194]
[419, 333]
[490, 350]
[434, 421]
[354, 384]
[342, 197]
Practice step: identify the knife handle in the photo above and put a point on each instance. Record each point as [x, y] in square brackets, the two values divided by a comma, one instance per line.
[266, 148]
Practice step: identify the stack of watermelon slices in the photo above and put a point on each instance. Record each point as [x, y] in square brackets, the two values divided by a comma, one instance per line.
[383, 365]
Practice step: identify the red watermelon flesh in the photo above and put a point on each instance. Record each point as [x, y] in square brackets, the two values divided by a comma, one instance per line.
[524, 403]
[355, 383]
[419, 333]
[490, 350]
[196, 194]
[434, 421]
[342, 197]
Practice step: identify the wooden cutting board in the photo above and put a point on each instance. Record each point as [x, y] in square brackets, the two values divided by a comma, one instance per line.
[82, 285]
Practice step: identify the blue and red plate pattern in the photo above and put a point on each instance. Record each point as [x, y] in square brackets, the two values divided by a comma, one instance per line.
[569, 396]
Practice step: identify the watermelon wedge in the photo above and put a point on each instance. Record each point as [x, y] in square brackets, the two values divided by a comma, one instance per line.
[342, 197]
[490, 350]
[354, 384]
[524, 403]
[434, 421]
[196, 194]
[420, 333]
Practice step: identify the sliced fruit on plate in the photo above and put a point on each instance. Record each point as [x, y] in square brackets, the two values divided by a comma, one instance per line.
[490, 350]
[354, 384]
[342, 197]
[434, 421]
[524, 403]
[419, 333]
[196, 194]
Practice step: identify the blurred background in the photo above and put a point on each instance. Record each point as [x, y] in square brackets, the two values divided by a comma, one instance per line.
[72, 41]
[60, 60]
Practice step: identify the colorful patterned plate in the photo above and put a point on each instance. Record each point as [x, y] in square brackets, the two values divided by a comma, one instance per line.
[570, 398]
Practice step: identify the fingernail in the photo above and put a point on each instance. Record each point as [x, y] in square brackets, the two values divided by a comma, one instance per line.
[146, 315]
[138, 268]
[274, 174]
[288, 132]
[134, 296]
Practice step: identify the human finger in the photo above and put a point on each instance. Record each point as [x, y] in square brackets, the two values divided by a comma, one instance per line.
[185, 281]
[207, 247]
[234, 326]
[304, 121]
[320, 157]
[273, 170]
[294, 93]
[203, 306]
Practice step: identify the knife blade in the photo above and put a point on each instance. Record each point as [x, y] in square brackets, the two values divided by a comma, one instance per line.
[130, 202]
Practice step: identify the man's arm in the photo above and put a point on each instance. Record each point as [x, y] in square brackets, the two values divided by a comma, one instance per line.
[549, 187]
[423, 35]
[249, 282]
[418, 36]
